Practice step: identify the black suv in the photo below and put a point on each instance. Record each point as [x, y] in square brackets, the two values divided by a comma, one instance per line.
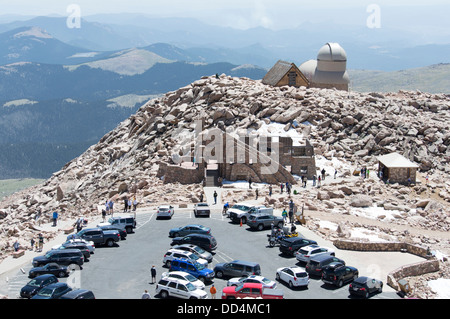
[237, 268]
[207, 242]
[64, 257]
[317, 264]
[289, 246]
[80, 246]
[338, 274]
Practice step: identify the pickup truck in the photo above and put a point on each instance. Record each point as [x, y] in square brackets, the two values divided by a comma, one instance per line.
[202, 209]
[98, 236]
[251, 290]
[237, 215]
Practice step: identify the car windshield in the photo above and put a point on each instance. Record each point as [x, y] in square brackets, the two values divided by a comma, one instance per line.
[301, 274]
[238, 287]
[193, 256]
[266, 281]
[190, 278]
[46, 292]
[48, 254]
[203, 204]
[190, 287]
[35, 283]
[199, 250]
[241, 207]
[199, 266]
[111, 221]
[163, 209]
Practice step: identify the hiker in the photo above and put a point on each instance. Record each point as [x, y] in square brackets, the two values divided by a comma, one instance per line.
[318, 182]
[32, 243]
[314, 180]
[323, 173]
[270, 190]
[41, 242]
[284, 214]
[111, 207]
[125, 205]
[215, 197]
[55, 218]
[256, 192]
[135, 203]
[250, 183]
[335, 173]
[282, 187]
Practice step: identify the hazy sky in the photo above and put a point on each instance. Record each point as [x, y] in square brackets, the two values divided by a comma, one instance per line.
[243, 13]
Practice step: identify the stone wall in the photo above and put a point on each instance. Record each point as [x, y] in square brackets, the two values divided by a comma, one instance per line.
[182, 175]
[416, 269]
[411, 270]
[381, 246]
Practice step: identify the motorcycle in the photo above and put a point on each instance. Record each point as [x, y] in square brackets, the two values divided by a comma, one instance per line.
[275, 238]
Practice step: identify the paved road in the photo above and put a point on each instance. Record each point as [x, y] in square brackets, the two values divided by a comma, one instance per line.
[123, 272]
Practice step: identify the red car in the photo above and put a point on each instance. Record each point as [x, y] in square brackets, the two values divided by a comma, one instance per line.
[251, 290]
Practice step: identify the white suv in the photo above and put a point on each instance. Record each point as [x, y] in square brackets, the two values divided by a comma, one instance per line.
[185, 276]
[305, 253]
[171, 254]
[172, 287]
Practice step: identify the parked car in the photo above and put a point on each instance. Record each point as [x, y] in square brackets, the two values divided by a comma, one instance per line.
[172, 287]
[196, 250]
[304, 254]
[289, 246]
[171, 254]
[262, 221]
[51, 268]
[237, 268]
[78, 294]
[195, 269]
[207, 242]
[185, 276]
[339, 274]
[64, 257]
[365, 286]
[127, 223]
[267, 283]
[240, 215]
[316, 265]
[202, 209]
[80, 246]
[36, 284]
[189, 229]
[52, 291]
[293, 276]
[165, 211]
[251, 290]
[89, 244]
[98, 236]
[123, 233]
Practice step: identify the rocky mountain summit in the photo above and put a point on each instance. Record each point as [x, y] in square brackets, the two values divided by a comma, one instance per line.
[348, 128]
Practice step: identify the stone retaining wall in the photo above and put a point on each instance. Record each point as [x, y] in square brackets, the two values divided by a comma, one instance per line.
[416, 269]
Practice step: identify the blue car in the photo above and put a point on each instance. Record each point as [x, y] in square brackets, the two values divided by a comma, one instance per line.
[195, 269]
[53, 291]
[189, 229]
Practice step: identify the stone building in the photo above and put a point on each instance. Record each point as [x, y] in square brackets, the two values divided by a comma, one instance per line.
[261, 159]
[397, 169]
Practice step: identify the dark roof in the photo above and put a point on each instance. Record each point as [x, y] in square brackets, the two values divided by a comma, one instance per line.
[278, 71]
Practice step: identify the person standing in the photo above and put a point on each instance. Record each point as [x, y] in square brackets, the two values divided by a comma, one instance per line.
[213, 292]
[153, 274]
[55, 218]
[256, 192]
[41, 242]
[215, 197]
[270, 190]
[281, 187]
[323, 173]
[284, 214]
[125, 205]
[111, 206]
[135, 203]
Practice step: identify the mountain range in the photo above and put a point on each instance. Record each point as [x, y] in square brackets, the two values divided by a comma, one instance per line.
[62, 89]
